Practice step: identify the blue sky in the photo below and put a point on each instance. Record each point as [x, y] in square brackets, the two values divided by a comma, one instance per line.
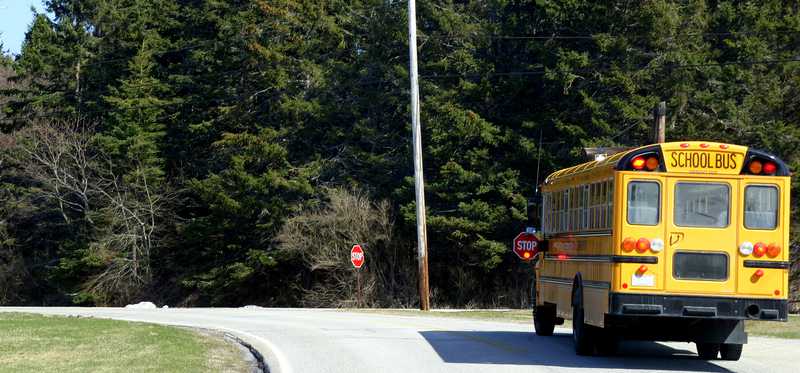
[15, 17]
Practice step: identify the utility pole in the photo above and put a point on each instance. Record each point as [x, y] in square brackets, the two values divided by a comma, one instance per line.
[419, 184]
[659, 122]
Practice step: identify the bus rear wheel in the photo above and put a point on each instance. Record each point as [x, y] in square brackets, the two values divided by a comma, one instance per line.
[731, 351]
[544, 320]
[581, 333]
[708, 351]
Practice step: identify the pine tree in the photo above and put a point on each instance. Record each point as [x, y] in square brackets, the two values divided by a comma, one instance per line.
[135, 132]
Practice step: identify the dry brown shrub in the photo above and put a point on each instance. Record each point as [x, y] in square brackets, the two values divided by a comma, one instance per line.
[323, 236]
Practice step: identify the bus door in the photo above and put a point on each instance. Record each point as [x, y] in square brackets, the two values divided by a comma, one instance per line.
[700, 243]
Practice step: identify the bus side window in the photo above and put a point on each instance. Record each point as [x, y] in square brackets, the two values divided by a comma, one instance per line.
[609, 203]
[585, 207]
[591, 206]
[603, 206]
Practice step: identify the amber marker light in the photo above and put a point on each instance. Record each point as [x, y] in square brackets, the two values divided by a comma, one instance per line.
[526, 255]
[628, 244]
[755, 167]
[652, 163]
[723, 146]
[638, 163]
[759, 273]
[642, 269]
[773, 250]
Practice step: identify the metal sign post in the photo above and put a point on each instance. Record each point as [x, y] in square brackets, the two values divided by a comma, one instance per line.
[357, 257]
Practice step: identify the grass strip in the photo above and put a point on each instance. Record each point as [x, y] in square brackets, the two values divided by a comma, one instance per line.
[35, 343]
[790, 329]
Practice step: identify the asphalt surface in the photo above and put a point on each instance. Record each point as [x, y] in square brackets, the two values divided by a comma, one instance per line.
[305, 340]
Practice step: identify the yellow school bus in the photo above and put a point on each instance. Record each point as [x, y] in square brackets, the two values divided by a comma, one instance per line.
[678, 241]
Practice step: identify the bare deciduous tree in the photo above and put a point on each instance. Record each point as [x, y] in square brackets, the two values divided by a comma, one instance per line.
[124, 213]
[56, 154]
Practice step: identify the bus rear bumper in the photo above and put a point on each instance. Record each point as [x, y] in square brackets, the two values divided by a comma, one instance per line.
[682, 306]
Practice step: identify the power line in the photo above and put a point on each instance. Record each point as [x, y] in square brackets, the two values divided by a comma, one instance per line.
[608, 68]
[618, 36]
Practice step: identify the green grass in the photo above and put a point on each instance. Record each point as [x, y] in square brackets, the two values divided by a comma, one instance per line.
[775, 329]
[515, 316]
[33, 343]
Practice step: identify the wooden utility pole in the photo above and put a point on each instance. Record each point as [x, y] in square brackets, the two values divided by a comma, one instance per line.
[659, 122]
[419, 184]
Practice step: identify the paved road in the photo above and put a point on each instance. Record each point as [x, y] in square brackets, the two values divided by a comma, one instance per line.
[304, 340]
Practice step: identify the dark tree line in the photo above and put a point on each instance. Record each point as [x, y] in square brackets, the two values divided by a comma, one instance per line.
[202, 152]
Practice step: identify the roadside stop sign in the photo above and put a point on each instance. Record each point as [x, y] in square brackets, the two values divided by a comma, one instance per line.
[526, 245]
[357, 256]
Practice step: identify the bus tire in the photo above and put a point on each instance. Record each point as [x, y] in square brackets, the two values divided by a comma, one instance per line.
[544, 320]
[581, 333]
[730, 351]
[708, 351]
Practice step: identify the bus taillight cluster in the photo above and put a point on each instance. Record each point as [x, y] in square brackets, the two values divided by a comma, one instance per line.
[759, 249]
[759, 167]
[642, 245]
[645, 163]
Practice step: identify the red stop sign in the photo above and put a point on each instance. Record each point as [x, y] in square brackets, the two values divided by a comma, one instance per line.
[357, 256]
[526, 245]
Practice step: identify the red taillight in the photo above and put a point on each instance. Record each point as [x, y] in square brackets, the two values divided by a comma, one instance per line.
[769, 168]
[642, 245]
[624, 285]
[628, 244]
[773, 250]
[759, 250]
[755, 167]
[652, 163]
[704, 145]
[638, 163]
[723, 146]
[562, 256]
[685, 145]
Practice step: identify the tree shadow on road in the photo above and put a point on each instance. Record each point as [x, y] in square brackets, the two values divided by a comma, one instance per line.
[525, 348]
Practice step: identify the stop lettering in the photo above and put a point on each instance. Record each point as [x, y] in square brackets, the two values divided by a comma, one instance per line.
[526, 245]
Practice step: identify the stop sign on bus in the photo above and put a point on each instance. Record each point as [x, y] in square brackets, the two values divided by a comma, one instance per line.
[526, 245]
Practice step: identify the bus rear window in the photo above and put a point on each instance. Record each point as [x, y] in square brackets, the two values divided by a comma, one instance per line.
[644, 198]
[700, 266]
[760, 207]
[704, 205]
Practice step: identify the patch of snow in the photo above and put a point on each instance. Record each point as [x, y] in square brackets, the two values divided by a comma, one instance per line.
[142, 306]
